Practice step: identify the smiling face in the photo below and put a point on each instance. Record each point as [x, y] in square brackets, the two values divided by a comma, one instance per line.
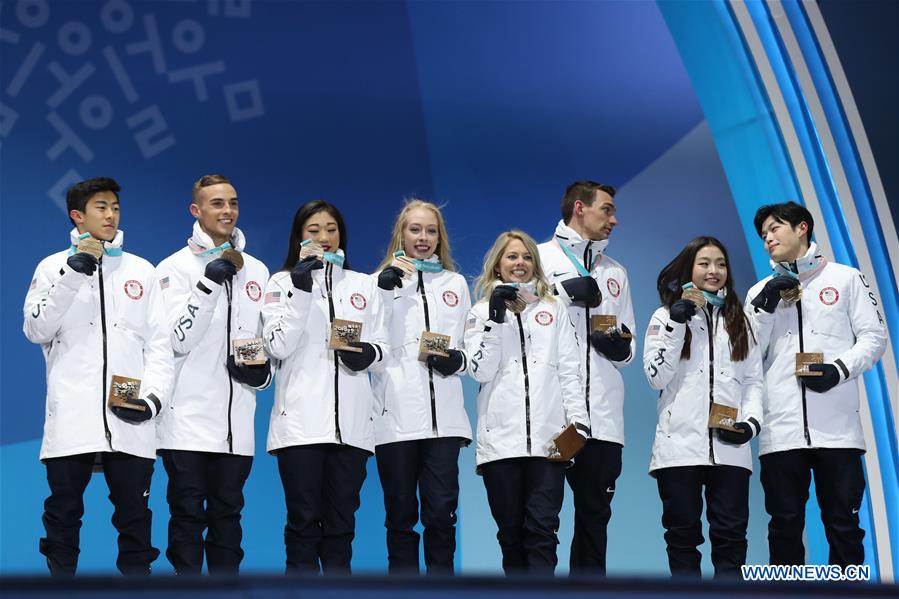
[783, 242]
[516, 264]
[100, 217]
[709, 269]
[215, 208]
[420, 233]
[321, 227]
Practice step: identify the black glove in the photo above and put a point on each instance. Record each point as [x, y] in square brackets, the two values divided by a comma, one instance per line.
[612, 345]
[301, 275]
[825, 382]
[82, 262]
[447, 365]
[583, 290]
[220, 270]
[137, 416]
[769, 296]
[358, 360]
[736, 438]
[682, 310]
[498, 298]
[390, 278]
[254, 375]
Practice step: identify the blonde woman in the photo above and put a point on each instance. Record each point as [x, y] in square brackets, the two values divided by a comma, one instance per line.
[528, 366]
[420, 420]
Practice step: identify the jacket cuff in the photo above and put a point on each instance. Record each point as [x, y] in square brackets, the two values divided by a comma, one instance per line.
[154, 403]
[754, 426]
[843, 370]
[207, 286]
[562, 294]
[68, 277]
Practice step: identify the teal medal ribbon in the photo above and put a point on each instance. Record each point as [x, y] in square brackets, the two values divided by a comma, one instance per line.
[712, 298]
[581, 269]
[114, 252]
[335, 259]
[422, 265]
[332, 257]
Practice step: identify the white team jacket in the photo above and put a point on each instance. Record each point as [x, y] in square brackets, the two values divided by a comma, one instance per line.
[68, 313]
[317, 398]
[688, 387]
[412, 400]
[837, 315]
[209, 411]
[529, 371]
[604, 387]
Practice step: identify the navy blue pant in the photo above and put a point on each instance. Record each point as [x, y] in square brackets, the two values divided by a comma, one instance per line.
[525, 496]
[727, 499]
[592, 481]
[839, 486]
[429, 467]
[205, 492]
[128, 478]
[321, 483]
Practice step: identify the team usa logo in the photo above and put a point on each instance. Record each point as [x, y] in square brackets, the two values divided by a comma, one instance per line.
[614, 287]
[450, 299]
[254, 291]
[358, 301]
[544, 318]
[829, 296]
[134, 289]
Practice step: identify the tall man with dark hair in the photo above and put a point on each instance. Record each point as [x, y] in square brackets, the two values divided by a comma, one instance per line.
[96, 312]
[814, 426]
[592, 283]
[213, 296]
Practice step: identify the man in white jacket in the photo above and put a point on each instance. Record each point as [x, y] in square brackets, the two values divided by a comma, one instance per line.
[206, 435]
[590, 282]
[813, 421]
[95, 318]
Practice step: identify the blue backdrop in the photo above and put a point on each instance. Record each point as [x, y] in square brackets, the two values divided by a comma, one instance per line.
[487, 108]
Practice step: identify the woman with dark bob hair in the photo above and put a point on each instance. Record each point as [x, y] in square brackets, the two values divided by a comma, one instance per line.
[700, 352]
[320, 427]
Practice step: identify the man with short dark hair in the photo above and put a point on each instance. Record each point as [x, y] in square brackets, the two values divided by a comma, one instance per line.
[811, 305]
[592, 283]
[96, 312]
[213, 296]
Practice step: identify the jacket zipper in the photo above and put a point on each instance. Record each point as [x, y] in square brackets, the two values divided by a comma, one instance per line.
[808, 437]
[527, 384]
[103, 328]
[709, 322]
[588, 263]
[329, 269]
[228, 292]
[424, 305]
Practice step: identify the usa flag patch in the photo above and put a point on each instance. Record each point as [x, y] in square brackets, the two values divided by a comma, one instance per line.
[654, 329]
[164, 283]
[272, 296]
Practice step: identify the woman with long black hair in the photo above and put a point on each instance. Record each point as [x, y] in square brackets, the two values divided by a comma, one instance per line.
[420, 420]
[321, 427]
[701, 354]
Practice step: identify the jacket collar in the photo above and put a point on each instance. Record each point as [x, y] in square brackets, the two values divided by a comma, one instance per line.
[568, 238]
[200, 243]
[804, 267]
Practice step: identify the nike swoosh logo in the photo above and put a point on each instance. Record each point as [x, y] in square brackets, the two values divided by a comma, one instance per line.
[558, 274]
[147, 493]
[610, 490]
[855, 510]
